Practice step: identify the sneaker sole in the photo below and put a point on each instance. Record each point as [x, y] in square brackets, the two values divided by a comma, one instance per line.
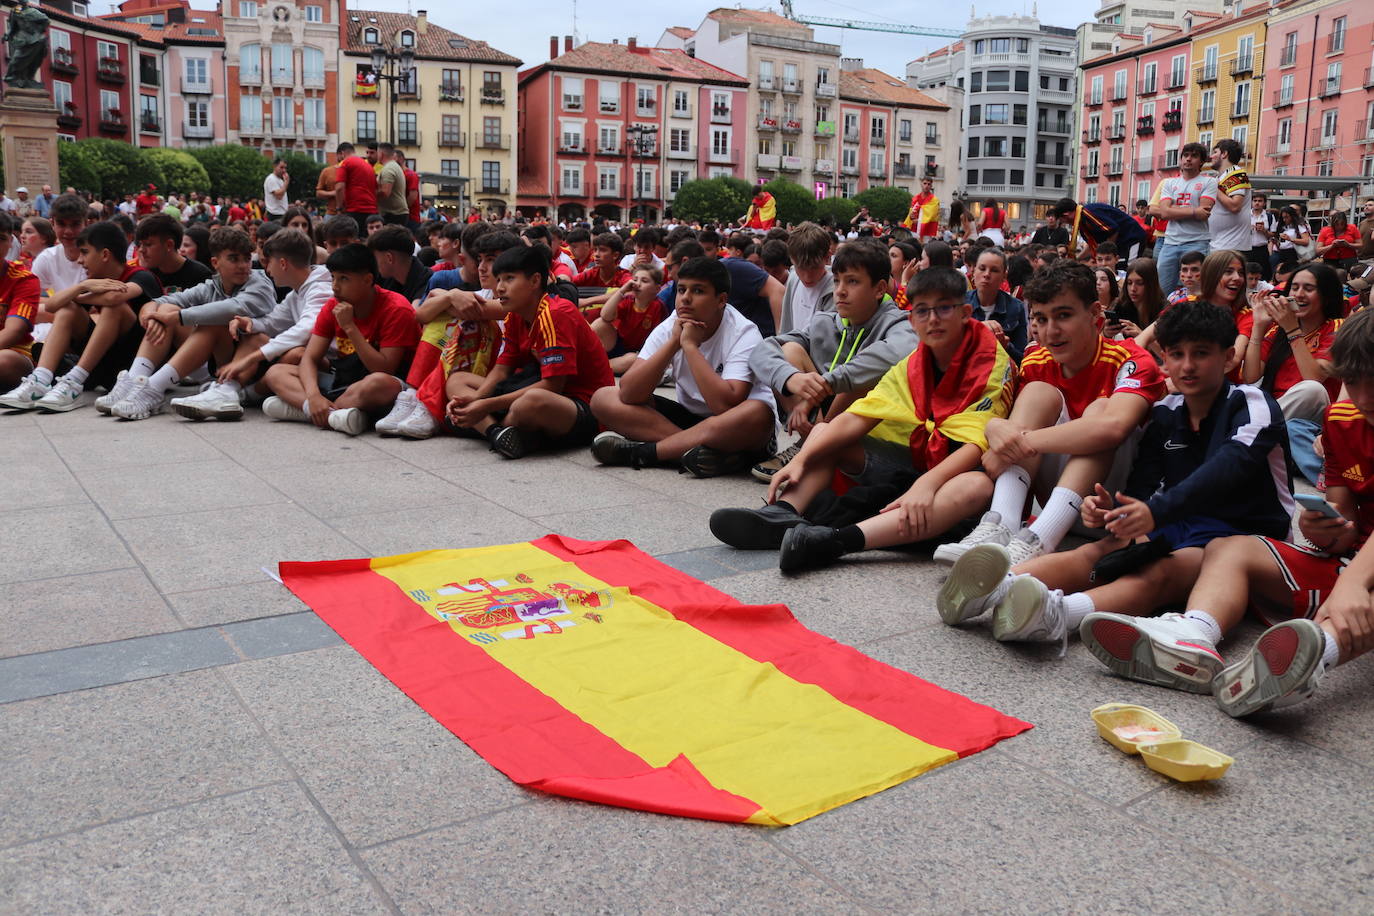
[410, 434]
[743, 530]
[19, 405]
[1283, 659]
[508, 444]
[788, 561]
[761, 475]
[191, 412]
[356, 425]
[61, 408]
[151, 413]
[976, 574]
[1016, 610]
[606, 449]
[1130, 653]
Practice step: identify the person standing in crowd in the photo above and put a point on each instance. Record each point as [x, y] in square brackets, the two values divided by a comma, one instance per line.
[1367, 231]
[355, 186]
[1230, 222]
[391, 188]
[1186, 201]
[991, 221]
[924, 216]
[1264, 226]
[274, 190]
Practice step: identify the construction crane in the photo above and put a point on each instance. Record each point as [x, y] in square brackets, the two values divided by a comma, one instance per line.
[867, 26]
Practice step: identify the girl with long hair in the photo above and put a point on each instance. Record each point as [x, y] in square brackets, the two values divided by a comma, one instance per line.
[991, 221]
[35, 235]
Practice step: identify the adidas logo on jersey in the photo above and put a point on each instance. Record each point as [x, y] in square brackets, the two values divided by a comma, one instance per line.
[1354, 474]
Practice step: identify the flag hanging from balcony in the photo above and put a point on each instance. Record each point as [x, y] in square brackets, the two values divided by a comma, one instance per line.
[591, 670]
[366, 83]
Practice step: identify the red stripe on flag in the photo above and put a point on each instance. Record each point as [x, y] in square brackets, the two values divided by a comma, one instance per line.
[936, 716]
[478, 699]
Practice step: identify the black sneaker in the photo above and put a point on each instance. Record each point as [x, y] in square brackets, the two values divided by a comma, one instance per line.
[506, 441]
[809, 547]
[754, 529]
[615, 450]
[704, 461]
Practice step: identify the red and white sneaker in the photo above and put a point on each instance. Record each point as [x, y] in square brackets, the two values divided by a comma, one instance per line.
[1169, 651]
[1282, 668]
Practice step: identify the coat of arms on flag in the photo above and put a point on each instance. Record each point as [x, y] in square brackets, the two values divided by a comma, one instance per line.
[593, 671]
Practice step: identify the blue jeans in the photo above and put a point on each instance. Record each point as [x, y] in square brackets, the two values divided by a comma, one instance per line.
[1301, 436]
[1167, 256]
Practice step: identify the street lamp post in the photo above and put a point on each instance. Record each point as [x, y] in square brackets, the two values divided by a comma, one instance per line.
[644, 135]
[385, 61]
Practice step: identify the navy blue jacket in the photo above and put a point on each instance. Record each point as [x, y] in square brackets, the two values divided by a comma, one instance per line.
[1233, 469]
[1101, 220]
[1008, 311]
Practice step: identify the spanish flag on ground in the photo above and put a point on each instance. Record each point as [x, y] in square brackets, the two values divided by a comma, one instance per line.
[591, 670]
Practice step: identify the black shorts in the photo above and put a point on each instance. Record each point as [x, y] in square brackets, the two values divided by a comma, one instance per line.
[119, 357]
[675, 413]
[583, 431]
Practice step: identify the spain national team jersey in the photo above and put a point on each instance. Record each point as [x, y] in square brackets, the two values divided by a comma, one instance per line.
[1318, 343]
[19, 297]
[1118, 366]
[562, 343]
[1349, 442]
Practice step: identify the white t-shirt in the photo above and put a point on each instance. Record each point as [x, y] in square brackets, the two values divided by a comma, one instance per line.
[272, 204]
[804, 301]
[727, 351]
[1189, 192]
[54, 272]
[629, 259]
[1232, 230]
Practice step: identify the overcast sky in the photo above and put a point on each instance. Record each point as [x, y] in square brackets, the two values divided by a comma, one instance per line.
[523, 27]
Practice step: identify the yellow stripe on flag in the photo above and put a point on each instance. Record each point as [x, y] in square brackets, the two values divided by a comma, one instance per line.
[658, 686]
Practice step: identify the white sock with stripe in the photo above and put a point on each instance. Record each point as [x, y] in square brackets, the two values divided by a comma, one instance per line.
[1058, 517]
[1207, 623]
[1009, 496]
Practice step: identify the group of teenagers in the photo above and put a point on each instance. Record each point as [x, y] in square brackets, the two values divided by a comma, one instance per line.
[929, 405]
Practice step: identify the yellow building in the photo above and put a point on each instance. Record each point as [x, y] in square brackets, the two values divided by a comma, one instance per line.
[453, 114]
[1228, 77]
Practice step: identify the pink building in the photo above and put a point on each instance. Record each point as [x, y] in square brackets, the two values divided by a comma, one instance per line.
[1319, 91]
[616, 129]
[897, 129]
[1132, 116]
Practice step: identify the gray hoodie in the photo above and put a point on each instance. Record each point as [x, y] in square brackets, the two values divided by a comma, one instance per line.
[290, 323]
[849, 357]
[208, 304]
[826, 302]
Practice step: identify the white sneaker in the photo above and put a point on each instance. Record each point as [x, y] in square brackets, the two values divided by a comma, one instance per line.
[64, 395]
[1284, 667]
[1168, 651]
[976, 583]
[214, 403]
[141, 403]
[277, 409]
[1030, 612]
[419, 425]
[124, 382]
[990, 530]
[350, 420]
[404, 406]
[26, 395]
[1024, 546]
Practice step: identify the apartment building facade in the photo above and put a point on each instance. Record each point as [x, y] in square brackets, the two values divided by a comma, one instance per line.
[615, 129]
[451, 108]
[890, 134]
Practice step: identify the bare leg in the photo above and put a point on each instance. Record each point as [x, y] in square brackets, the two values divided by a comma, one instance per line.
[110, 325]
[640, 422]
[747, 425]
[541, 410]
[1164, 582]
[285, 382]
[199, 345]
[1237, 572]
[953, 502]
[377, 391]
[1069, 570]
[13, 367]
[71, 326]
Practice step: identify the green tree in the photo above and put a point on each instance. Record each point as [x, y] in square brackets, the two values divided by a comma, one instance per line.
[721, 200]
[795, 203]
[836, 210]
[304, 172]
[180, 172]
[107, 168]
[884, 203]
[234, 170]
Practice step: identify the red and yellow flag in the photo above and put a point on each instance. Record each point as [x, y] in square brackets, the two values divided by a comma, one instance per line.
[593, 671]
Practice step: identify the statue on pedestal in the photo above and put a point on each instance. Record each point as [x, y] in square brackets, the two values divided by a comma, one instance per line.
[26, 44]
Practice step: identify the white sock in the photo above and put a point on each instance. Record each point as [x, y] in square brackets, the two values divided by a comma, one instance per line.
[1009, 496]
[1331, 652]
[1060, 513]
[43, 375]
[163, 379]
[142, 367]
[1076, 607]
[1207, 622]
[234, 387]
[77, 375]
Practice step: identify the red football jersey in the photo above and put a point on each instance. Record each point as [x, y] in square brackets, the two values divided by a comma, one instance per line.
[562, 342]
[1349, 442]
[1319, 343]
[1118, 366]
[19, 299]
[634, 326]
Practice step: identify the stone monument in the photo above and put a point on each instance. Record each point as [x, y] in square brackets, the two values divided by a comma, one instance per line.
[28, 118]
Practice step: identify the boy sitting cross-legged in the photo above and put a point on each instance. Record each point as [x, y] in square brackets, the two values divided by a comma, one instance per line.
[723, 416]
[278, 336]
[374, 333]
[546, 335]
[818, 369]
[912, 445]
[1211, 464]
[94, 319]
[1082, 398]
[1321, 595]
[185, 329]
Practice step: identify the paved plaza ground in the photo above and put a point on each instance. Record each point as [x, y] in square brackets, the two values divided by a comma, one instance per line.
[178, 734]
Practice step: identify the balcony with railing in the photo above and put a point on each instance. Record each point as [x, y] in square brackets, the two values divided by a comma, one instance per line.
[284, 130]
[903, 170]
[195, 85]
[1090, 170]
[69, 116]
[1241, 109]
[197, 131]
[483, 140]
[1145, 125]
[1335, 42]
[1117, 131]
[1276, 147]
[149, 123]
[493, 95]
[1364, 132]
[1092, 135]
[720, 114]
[1118, 93]
[1092, 100]
[849, 169]
[1173, 120]
[569, 189]
[1115, 167]
[314, 130]
[1288, 57]
[250, 76]
[451, 92]
[1052, 160]
[64, 61]
[681, 151]
[826, 90]
[568, 146]
[408, 139]
[646, 148]
[791, 126]
[1283, 98]
[1169, 160]
[765, 83]
[110, 70]
[791, 164]
[851, 135]
[645, 108]
[933, 139]
[1205, 73]
[768, 160]
[877, 169]
[314, 79]
[877, 139]
[1321, 139]
[1206, 116]
[1144, 164]
[1056, 127]
[1146, 86]
[768, 122]
[255, 129]
[490, 186]
[722, 157]
[1328, 87]
[1369, 77]
[283, 76]
[1243, 65]
[1176, 79]
[607, 193]
[791, 87]
[823, 167]
[825, 129]
[112, 121]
